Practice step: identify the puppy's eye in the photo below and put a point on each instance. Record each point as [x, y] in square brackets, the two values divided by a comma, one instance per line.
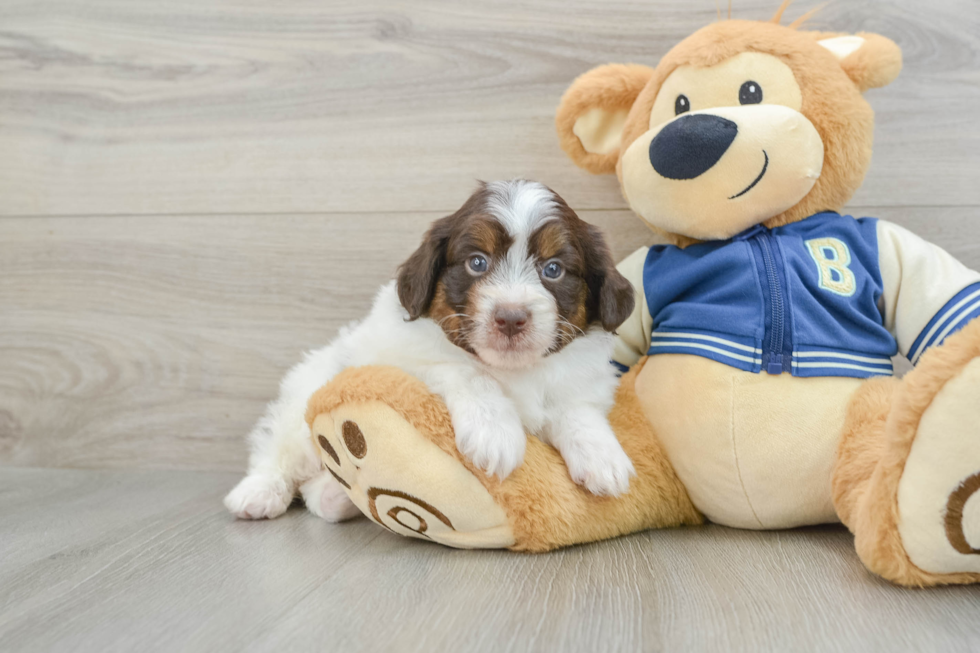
[552, 270]
[750, 93]
[477, 264]
[681, 104]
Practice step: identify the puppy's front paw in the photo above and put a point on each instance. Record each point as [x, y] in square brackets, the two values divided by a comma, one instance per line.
[494, 445]
[602, 468]
[259, 497]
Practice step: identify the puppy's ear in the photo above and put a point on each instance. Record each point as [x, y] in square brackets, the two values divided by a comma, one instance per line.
[611, 296]
[418, 276]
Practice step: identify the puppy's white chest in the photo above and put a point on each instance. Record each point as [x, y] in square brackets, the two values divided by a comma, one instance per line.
[531, 400]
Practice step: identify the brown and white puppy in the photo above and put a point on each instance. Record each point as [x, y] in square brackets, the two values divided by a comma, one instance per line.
[514, 275]
[506, 310]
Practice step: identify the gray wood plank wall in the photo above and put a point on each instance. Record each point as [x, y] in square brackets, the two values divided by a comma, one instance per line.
[193, 193]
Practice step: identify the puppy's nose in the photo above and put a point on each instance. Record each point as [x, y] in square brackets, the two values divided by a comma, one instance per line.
[511, 320]
[689, 146]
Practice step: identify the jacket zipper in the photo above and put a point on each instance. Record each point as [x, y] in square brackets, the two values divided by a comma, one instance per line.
[777, 308]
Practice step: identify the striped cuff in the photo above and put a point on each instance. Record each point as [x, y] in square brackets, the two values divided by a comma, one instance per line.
[809, 362]
[955, 315]
[741, 352]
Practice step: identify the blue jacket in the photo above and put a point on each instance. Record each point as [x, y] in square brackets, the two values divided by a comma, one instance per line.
[812, 298]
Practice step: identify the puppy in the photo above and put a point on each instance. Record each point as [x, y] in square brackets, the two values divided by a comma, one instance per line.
[506, 311]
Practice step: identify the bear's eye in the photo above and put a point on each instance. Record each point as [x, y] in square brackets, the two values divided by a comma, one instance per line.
[681, 104]
[750, 93]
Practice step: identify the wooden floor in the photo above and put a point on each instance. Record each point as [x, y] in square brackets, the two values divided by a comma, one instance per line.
[193, 193]
[149, 561]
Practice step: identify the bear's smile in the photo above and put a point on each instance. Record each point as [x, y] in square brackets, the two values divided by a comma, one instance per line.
[765, 166]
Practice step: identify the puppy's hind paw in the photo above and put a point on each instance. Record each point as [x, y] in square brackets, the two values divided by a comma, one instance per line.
[326, 498]
[259, 497]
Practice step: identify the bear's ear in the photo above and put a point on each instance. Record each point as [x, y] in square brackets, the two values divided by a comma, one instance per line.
[593, 111]
[868, 59]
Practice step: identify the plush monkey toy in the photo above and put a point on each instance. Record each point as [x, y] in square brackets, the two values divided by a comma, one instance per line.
[758, 389]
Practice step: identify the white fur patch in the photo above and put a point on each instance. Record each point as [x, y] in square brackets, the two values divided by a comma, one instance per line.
[521, 206]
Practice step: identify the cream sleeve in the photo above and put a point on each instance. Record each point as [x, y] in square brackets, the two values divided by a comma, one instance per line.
[927, 294]
[633, 335]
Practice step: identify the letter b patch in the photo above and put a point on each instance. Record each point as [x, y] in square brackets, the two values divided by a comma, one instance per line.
[832, 258]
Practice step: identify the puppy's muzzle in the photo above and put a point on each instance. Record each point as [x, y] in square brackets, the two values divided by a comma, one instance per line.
[689, 146]
[511, 320]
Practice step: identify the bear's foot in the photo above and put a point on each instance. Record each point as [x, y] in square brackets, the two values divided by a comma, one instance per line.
[393, 471]
[939, 491]
[907, 480]
[390, 444]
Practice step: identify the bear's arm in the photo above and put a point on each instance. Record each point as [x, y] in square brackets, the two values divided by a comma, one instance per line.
[927, 294]
[633, 335]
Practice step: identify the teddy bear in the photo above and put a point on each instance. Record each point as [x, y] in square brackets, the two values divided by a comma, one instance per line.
[757, 386]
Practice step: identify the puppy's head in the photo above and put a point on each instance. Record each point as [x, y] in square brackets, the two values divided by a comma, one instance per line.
[514, 275]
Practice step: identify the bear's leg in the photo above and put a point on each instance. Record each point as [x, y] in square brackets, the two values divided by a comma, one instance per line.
[389, 443]
[907, 475]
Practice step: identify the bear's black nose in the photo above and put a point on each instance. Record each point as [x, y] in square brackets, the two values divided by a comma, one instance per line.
[689, 146]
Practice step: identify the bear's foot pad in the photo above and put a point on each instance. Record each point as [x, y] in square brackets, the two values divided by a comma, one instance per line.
[403, 481]
[939, 492]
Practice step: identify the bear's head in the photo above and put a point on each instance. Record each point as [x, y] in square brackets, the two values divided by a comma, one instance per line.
[741, 123]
